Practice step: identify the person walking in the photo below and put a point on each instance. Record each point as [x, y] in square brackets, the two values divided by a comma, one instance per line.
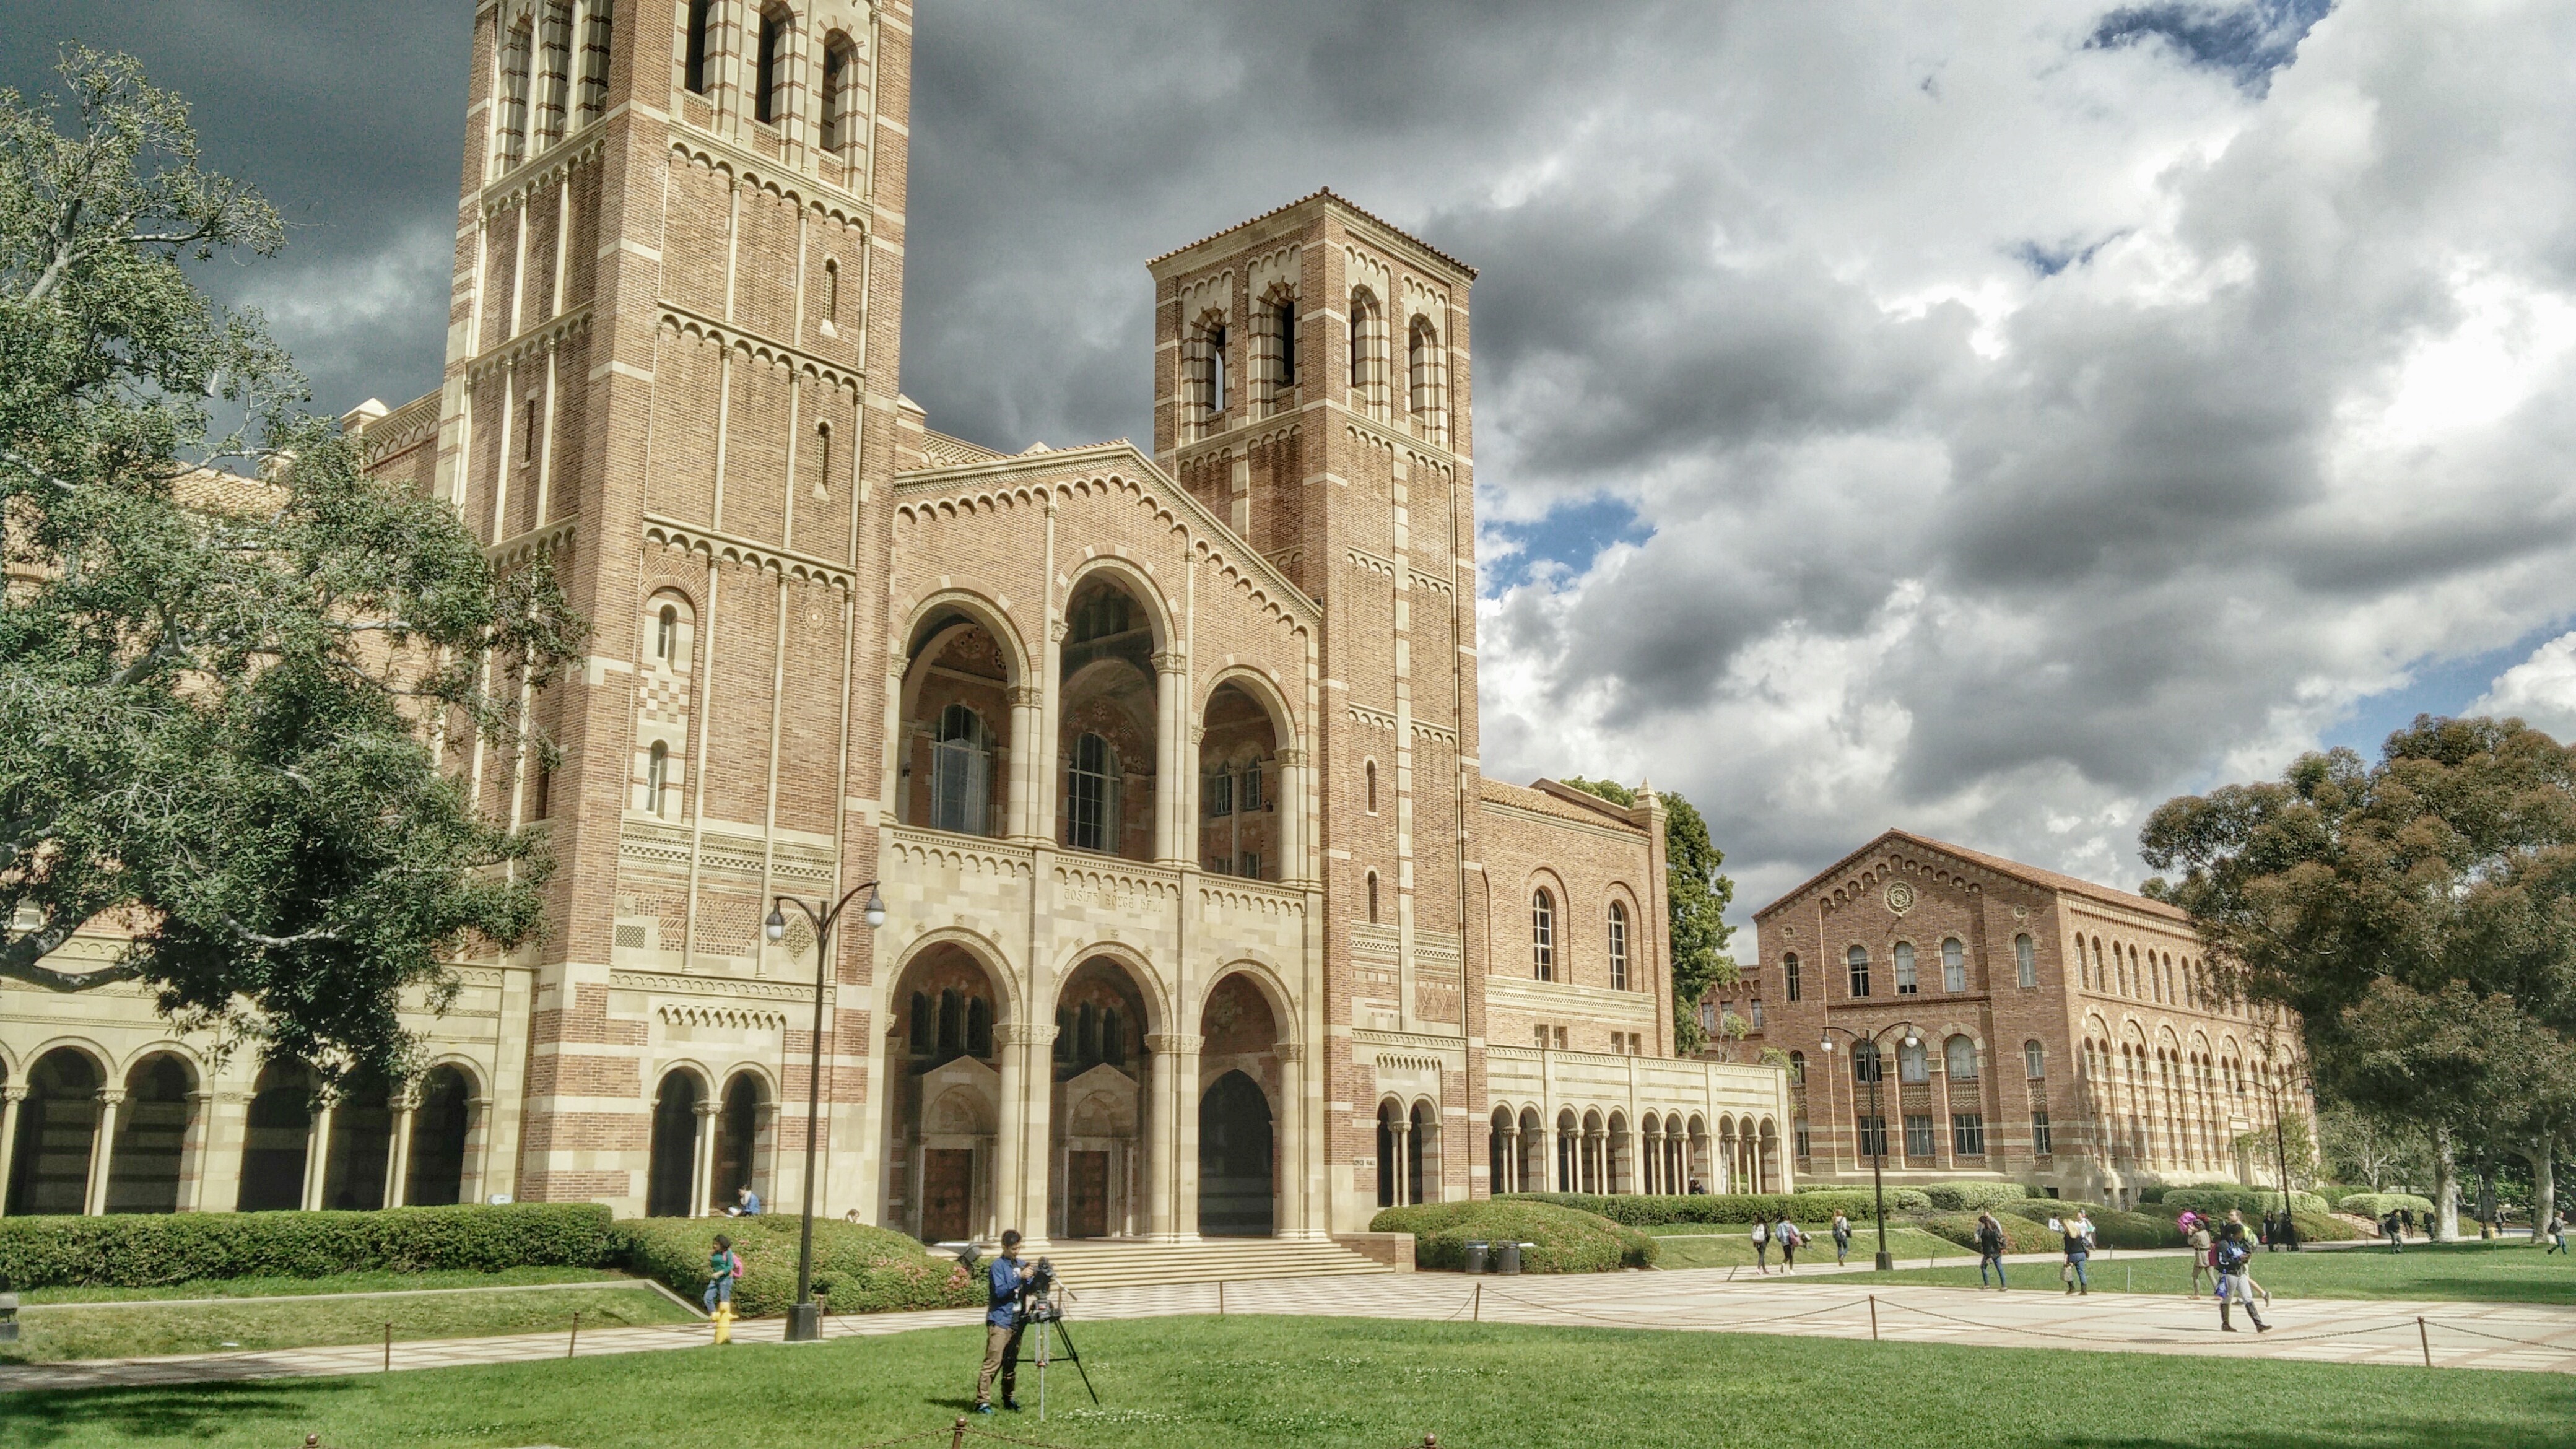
[2201, 1266]
[1842, 1239]
[1002, 1327]
[1990, 1250]
[2557, 1231]
[724, 1265]
[2396, 1241]
[2076, 1237]
[2235, 1256]
[1790, 1238]
[1762, 1246]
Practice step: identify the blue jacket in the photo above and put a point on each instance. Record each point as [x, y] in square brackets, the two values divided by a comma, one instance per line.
[1006, 1277]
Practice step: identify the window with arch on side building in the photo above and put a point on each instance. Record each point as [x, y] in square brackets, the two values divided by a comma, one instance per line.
[841, 110]
[1914, 1061]
[1372, 898]
[1543, 934]
[769, 76]
[657, 779]
[2034, 1060]
[697, 47]
[1789, 975]
[2025, 961]
[1856, 960]
[1905, 982]
[1618, 942]
[1954, 965]
[1961, 1059]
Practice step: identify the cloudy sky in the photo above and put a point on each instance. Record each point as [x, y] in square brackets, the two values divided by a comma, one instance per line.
[1984, 416]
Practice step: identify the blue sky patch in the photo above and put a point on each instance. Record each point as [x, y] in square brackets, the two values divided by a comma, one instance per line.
[1570, 536]
[2248, 41]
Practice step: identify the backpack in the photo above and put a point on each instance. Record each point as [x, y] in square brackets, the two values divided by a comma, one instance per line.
[1761, 1233]
[2232, 1253]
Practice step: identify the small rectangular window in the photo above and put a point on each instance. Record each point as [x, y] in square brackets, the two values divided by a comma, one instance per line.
[1789, 975]
[1220, 795]
[1799, 1131]
[1967, 1134]
[1560, 1038]
[1918, 1134]
[1873, 1135]
[2039, 1143]
[1251, 865]
[1756, 1009]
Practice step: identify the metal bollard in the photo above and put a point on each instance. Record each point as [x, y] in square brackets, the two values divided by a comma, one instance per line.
[1873, 1318]
[2425, 1339]
[575, 1341]
[389, 1348]
[957, 1439]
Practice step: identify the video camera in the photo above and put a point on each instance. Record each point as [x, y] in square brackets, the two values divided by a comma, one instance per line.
[1037, 1302]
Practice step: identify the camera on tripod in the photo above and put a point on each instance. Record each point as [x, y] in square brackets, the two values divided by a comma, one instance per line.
[1037, 1295]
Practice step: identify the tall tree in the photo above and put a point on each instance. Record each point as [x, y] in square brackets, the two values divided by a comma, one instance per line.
[1696, 893]
[2378, 901]
[224, 650]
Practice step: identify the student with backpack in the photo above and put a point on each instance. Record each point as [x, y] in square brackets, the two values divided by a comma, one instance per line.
[724, 1265]
[1761, 1246]
[1842, 1239]
[2076, 1237]
[1790, 1239]
[2234, 1255]
[2557, 1231]
[1990, 1250]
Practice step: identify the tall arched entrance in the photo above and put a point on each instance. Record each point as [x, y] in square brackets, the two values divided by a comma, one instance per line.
[49, 1165]
[151, 1137]
[1098, 1166]
[439, 1127]
[278, 1141]
[1237, 1175]
[675, 1148]
[362, 1144]
[944, 1097]
[743, 1151]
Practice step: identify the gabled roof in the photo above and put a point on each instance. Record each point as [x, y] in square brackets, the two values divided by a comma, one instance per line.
[1547, 797]
[2030, 875]
[1321, 194]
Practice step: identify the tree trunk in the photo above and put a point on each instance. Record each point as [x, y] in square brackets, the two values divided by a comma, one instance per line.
[2544, 1182]
[2446, 1186]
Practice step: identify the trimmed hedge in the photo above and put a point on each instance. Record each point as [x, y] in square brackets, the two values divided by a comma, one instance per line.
[861, 1269]
[1564, 1240]
[2326, 1228]
[1974, 1197]
[2112, 1228]
[2251, 1201]
[148, 1250]
[2377, 1205]
[2021, 1234]
[1733, 1207]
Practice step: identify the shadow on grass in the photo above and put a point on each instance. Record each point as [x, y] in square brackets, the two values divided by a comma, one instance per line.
[179, 1411]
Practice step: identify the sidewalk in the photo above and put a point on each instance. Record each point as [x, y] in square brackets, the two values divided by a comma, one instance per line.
[2532, 1337]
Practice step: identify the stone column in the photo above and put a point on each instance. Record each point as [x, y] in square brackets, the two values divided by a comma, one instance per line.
[10, 1097]
[1291, 1126]
[192, 1152]
[225, 1130]
[1172, 761]
[702, 1162]
[102, 1149]
[1513, 1167]
[1023, 819]
[317, 1157]
[398, 1151]
[1293, 865]
[1028, 1092]
[1185, 1155]
[478, 1143]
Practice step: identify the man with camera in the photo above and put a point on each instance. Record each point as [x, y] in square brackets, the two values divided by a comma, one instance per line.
[1005, 1283]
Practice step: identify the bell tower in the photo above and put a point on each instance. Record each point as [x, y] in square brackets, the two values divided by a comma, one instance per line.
[1311, 387]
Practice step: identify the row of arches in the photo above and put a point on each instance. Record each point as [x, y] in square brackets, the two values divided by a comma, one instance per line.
[74, 1139]
[765, 54]
[709, 1146]
[1210, 389]
[1910, 974]
[546, 91]
[2171, 1103]
[2121, 969]
[1596, 1152]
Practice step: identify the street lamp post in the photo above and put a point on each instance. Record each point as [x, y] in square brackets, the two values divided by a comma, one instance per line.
[804, 1321]
[1878, 1119]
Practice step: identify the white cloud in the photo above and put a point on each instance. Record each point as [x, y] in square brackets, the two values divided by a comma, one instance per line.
[2541, 689]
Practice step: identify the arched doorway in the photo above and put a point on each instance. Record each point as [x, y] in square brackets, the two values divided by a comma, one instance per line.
[1106, 745]
[1390, 1153]
[278, 1139]
[1237, 1180]
[1532, 1173]
[1569, 1152]
[1098, 1066]
[49, 1165]
[362, 1145]
[1422, 1154]
[945, 1099]
[439, 1127]
[740, 1158]
[144, 1172]
[1498, 1152]
[673, 1169]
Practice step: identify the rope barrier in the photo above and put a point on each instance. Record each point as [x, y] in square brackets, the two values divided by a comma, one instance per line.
[1631, 1323]
[2549, 1342]
[2100, 1338]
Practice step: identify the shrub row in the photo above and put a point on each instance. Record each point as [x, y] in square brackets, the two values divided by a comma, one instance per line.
[2251, 1201]
[1564, 1240]
[860, 1269]
[2325, 1228]
[2112, 1228]
[1736, 1207]
[2021, 1234]
[146, 1250]
[1973, 1197]
[2377, 1205]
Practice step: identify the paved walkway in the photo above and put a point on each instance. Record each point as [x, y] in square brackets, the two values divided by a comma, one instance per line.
[2539, 1337]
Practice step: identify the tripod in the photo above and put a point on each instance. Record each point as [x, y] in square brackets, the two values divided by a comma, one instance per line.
[1048, 1317]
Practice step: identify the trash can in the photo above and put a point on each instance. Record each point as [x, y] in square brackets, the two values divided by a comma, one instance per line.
[1477, 1256]
[1509, 1255]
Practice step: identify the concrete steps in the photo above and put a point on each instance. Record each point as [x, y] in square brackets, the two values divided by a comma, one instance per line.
[1089, 1263]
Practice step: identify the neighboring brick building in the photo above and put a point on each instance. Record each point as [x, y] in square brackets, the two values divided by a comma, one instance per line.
[1201, 915]
[2068, 1040]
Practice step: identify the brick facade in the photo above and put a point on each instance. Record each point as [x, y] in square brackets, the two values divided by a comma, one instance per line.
[1200, 915]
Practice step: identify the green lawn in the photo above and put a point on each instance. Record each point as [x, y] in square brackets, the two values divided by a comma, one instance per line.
[371, 1282]
[1208, 1383]
[2497, 1272]
[78, 1331]
[1726, 1245]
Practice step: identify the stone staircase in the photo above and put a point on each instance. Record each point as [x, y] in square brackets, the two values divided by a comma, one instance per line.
[1088, 1263]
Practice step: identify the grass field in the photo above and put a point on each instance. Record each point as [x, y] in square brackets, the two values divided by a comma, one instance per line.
[1289, 1383]
[373, 1282]
[250, 1322]
[2499, 1272]
[1727, 1245]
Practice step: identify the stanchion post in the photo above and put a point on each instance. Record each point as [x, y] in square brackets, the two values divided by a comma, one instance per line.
[575, 1341]
[957, 1436]
[389, 1348]
[1873, 1318]
[2424, 1338]
[1480, 1304]
[1220, 1298]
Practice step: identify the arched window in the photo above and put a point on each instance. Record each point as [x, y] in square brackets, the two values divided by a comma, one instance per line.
[698, 46]
[1797, 1068]
[657, 777]
[1422, 366]
[594, 62]
[666, 633]
[1961, 1059]
[1954, 965]
[822, 460]
[840, 97]
[1905, 983]
[1618, 947]
[922, 1034]
[1789, 974]
[515, 58]
[1543, 935]
[831, 290]
[1091, 795]
[554, 72]
[1285, 323]
[1203, 383]
[1913, 1061]
[1370, 771]
[2026, 961]
[1372, 897]
[1865, 1063]
[961, 772]
[2034, 1060]
[1857, 959]
[768, 97]
[1368, 354]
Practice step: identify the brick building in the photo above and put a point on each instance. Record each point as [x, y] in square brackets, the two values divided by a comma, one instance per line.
[2064, 1035]
[1201, 916]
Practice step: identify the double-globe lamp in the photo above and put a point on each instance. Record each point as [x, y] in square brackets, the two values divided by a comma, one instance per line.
[1877, 1121]
[805, 1319]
